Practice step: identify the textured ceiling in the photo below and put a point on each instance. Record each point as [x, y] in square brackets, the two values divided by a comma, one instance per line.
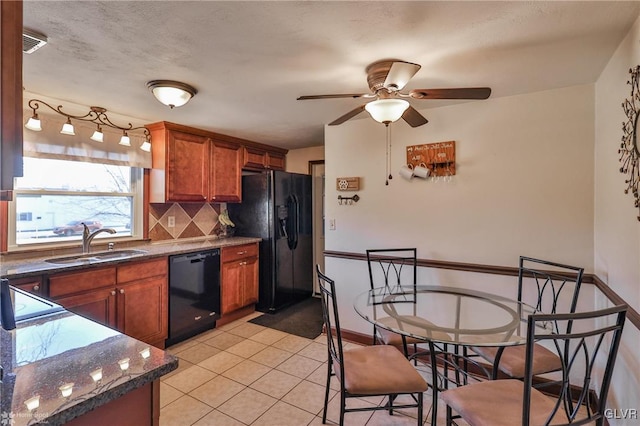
[251, 60]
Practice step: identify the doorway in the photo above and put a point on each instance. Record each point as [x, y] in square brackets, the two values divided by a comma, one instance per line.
[316, 170]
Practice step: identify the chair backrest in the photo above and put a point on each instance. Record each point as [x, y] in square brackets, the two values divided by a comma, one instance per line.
[331, 320]
[392, 267]
[555, 282]
[583, 391]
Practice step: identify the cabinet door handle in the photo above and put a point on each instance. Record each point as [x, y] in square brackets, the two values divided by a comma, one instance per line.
[113, 292]
[36, 287]
[211, 314]
[242, 252]
[198, 318]
[122, 291]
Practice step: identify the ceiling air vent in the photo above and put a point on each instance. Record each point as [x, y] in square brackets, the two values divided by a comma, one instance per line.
[32, 41]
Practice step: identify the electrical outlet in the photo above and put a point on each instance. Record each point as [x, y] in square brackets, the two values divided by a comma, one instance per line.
[171, 221]
[332, 224]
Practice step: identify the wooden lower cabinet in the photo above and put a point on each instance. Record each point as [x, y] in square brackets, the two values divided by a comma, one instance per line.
[98, 305]
[231, 282]
[250, 280]
[142, 309]
[140, 407]
[132, 298]
[31, 285]
[239, 277]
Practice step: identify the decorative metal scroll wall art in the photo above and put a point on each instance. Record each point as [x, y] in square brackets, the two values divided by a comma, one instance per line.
[629, 153]
[439, 158]
[96, 115]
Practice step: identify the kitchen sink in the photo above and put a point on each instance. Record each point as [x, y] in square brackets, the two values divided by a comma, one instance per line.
[101, 256]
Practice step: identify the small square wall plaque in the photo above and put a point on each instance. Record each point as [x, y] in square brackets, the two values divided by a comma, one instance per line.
[348, 183]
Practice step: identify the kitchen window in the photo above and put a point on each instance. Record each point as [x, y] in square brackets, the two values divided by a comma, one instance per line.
[54, 198]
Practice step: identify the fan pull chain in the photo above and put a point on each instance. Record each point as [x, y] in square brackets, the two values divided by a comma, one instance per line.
[388, 154]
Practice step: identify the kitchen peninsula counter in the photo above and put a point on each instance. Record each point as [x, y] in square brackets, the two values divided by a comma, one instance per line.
[59, 367]
[18, 265]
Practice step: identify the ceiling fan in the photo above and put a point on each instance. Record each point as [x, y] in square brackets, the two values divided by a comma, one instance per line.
[386, 78]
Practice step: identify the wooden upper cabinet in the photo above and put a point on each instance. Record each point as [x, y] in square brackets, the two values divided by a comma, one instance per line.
[259, 159]
[276, 160]
[253, 158]
[180, 169]
[187, 170]
[194, 165]
[10, 95]
[225, 184]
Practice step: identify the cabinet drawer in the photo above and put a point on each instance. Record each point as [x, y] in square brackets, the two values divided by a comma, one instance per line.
[62, 285]
[230, 254]
[30, 284]
[141, 270]
[254, 158]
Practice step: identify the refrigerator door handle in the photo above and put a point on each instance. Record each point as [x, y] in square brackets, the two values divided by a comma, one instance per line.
[296, 221]
[292, 207]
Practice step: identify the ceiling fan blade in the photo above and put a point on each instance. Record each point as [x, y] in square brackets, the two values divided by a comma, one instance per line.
[347, 116]
[346, 95]
[459, 93]
[413, 117]
[400, 73]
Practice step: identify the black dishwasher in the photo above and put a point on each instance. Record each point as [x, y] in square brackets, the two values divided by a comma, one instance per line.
[194, 294]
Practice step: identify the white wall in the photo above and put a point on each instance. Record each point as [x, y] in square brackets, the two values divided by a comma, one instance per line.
[524, 182]
[616, 227]
[524, 186]
[298, 159]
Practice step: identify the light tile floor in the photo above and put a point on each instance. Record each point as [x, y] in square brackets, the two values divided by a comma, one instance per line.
[246, 374]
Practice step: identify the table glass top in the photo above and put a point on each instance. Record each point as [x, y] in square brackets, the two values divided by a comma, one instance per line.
[447, 315]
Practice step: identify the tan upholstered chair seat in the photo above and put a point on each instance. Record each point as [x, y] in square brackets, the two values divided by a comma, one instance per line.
[379, 370]
[513, 358]
[499, 403]
[411, 324]
[390, 338]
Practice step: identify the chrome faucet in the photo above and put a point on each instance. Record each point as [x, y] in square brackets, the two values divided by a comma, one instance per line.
[87, 237]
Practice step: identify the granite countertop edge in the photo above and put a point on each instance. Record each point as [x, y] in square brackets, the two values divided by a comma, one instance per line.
[15, 266]
[107, 396]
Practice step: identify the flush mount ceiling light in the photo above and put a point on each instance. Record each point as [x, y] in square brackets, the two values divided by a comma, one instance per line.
[387, 110]
[96, 115]
[171, 93]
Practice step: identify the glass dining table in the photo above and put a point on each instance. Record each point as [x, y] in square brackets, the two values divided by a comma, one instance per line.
[449, 320]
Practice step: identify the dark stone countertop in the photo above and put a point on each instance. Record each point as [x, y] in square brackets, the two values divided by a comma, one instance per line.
[44, 353]
[18, 265]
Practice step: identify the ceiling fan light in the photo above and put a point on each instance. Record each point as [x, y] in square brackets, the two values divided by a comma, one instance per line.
[34, 124]
[387, 110]
[171, 93]
[67, 128]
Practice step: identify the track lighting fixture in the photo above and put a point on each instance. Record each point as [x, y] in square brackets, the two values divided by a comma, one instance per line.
[96, 115]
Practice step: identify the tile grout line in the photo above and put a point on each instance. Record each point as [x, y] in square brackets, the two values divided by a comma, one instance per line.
[227, 329]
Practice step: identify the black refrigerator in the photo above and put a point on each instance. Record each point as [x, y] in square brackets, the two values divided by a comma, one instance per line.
[276, 206]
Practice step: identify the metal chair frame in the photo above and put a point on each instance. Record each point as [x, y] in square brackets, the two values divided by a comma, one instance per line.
[392, 262]
[336, 355]
[548, 282]
[576, 402]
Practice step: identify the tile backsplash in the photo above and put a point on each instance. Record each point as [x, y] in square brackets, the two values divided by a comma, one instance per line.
[189, 220]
